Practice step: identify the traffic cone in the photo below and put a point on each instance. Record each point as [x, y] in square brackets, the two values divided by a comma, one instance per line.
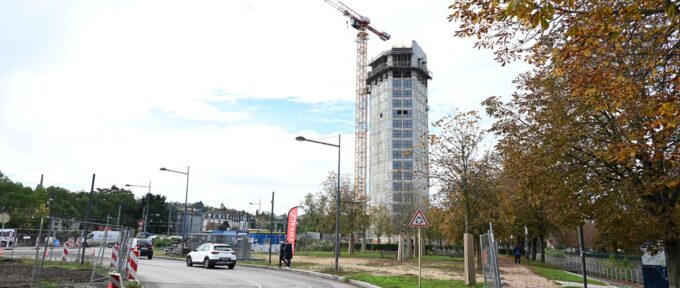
[2, 252]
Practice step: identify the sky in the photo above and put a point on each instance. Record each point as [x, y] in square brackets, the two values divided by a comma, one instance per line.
[122, 88]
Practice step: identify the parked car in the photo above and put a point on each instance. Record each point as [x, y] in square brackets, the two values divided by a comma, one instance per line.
[144, 246]
[212, 254]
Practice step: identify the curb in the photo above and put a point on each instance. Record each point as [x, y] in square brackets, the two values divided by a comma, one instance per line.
[304, 272]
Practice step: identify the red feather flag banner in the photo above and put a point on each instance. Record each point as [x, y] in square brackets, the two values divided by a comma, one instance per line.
[292, 226]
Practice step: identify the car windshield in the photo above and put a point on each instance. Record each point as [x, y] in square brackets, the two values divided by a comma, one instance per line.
[143, 242]
[222, 248]
[6, 234]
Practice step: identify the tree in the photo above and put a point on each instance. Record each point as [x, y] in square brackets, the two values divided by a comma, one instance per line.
[614, 69]
[381, 221]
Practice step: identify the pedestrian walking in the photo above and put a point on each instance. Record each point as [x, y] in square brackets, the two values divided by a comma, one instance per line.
[289, 254]
[518, 254]
[282, 253]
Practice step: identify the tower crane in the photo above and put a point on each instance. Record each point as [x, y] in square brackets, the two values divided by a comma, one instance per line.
[361, 23]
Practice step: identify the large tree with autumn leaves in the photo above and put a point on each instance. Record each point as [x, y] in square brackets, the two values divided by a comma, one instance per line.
[602, 103]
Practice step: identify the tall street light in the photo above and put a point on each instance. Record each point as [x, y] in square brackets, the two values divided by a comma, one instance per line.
[259, 206]
[145, 215]
[337, 198]
[186, 197]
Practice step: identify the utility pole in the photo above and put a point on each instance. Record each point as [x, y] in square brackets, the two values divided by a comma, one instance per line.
[271, 230]
[87, 219]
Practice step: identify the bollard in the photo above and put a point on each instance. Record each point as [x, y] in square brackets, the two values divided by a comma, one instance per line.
[114, 256]
[64, 255]
[115, 281]
[133, 264]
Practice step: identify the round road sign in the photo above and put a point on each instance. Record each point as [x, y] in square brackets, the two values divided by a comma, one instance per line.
[4, 218]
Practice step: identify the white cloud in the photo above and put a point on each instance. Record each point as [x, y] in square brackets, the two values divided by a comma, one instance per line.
[121, 88]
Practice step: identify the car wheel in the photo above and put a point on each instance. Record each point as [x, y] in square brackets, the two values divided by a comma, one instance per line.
[150, 256]
[189, 262]
[231, 266]
[206, 263]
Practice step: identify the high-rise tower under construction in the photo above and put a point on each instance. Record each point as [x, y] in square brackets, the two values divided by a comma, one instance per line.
[398, 129]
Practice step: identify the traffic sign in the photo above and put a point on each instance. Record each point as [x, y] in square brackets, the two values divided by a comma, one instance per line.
[419, 220]
[4, 218]
[56, 243]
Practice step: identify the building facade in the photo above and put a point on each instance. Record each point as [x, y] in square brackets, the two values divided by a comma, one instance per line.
[238, 220]
[398, 129]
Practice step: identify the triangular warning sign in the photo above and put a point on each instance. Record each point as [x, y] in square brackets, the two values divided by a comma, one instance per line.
[419, 220]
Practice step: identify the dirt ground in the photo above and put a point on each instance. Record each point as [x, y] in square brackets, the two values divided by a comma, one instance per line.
[16, 274]
[512, 275]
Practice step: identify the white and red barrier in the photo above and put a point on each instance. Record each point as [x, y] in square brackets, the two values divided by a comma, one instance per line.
[64, 255]
[133, 264]
[115, 281]
[114, 256]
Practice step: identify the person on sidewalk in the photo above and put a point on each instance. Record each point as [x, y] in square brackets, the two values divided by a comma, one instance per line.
[282, 253]
[518, 254]
[289, 254]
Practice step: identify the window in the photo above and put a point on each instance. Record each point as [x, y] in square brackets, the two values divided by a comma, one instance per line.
[396, 197]
[396, 133]
[408, 154]
[407, 144]
[407, 134]
[407, 176]
[396, 83]
[407, 93]
[396, 123]
[408, 124]
[408, 103]
[396, 186]
[396, 154]
[408, 83]
[396, 164]
[408, 165]
[396, 93]
[396, 143]
[407, 187]
[396, 103]
[407, 113]
[396, 175]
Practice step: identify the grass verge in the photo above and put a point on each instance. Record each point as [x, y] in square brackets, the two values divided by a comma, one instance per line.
[387, 281]
[556, 274]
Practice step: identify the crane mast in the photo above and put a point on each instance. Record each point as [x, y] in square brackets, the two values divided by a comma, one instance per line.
[361, 23]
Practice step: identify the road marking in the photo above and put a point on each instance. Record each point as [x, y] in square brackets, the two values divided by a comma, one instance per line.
[244, 279]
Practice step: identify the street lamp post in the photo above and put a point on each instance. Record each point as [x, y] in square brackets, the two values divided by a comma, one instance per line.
[337, 198]
[186, 198]
[145, 214]
[259, 206]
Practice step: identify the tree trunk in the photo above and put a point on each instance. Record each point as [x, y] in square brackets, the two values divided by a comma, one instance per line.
[350, 247]
[533, 248]
[468, 261]
[542, 238]
[400, 247]
[478, 251]
[673, 264]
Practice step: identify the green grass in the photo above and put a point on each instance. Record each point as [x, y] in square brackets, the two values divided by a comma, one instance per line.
[556, 274]
[409, 281]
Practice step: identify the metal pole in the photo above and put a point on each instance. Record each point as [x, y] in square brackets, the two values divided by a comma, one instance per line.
[581, 244]
[184, 221]
[420, 268]
[87, 219]
[169, 217]
[146, 215]
[271, 230]
[119, 208]
[337, 214]
[37, 249]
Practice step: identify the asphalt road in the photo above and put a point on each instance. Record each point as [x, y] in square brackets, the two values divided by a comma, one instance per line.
[172, 273]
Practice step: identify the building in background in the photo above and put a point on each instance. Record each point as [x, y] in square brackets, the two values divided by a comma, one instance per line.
[214, 219]
[398, 129]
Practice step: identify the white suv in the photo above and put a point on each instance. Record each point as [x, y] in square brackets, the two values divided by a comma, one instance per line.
[211, 254]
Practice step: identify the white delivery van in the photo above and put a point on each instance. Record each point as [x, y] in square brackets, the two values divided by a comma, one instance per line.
[8, 237]
[96, 238]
